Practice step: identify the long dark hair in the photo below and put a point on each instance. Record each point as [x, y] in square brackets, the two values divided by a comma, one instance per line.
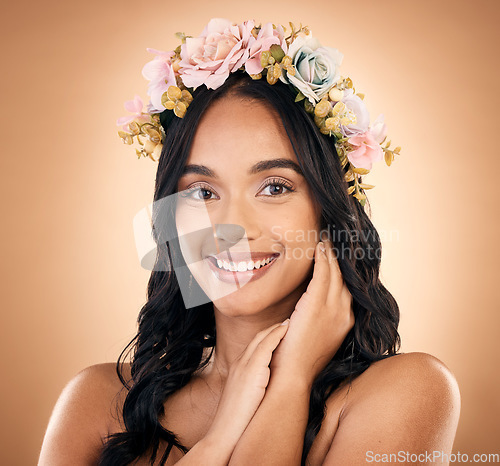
[169, 345]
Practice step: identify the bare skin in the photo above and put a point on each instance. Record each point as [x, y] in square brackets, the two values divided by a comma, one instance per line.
[254, 395]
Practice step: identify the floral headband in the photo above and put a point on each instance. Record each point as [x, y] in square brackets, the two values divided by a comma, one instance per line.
[298, 60]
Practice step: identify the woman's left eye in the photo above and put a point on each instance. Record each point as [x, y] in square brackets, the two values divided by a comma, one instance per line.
[280, 184]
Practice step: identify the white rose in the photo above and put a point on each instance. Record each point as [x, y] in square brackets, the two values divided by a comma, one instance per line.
[317, 67]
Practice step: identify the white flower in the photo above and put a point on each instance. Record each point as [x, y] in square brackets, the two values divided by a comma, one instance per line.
[358, 107]
[317, 67]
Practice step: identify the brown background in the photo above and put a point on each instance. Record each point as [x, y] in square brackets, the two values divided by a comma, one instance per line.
[71, 282]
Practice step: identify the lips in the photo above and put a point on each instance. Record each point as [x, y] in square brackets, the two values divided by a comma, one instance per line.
[236, 277]
[235, 256]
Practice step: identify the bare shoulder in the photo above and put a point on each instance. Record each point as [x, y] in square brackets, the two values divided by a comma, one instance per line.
[409, 402]
[83, 415]
[415, 371]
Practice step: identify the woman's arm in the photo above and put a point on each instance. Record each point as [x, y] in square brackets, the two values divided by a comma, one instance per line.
[275, 435]
[321, 320]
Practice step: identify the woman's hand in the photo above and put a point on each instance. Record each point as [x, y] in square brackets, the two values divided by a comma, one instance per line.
[245, 386]
[321, 320]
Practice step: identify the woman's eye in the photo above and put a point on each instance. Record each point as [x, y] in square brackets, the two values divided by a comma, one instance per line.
[198, 193]
[273, 188]
[277, 188]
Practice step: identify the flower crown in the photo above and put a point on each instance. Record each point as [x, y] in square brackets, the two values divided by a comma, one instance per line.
[298, 60]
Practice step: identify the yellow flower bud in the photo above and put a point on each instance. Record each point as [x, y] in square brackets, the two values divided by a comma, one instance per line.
[322, 108]
[152, 134]
[180, 109]
[332, 123]
[335, 94]
[286, 61]
[339, 108]
[187, 98]
[290, 70]
[277, 72]
[134, 128]
[126, 138]
[264, 58]
[174, 93]
[169, 105]
[271, 77]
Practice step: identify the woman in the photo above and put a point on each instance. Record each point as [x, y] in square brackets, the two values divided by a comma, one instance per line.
[291, 361]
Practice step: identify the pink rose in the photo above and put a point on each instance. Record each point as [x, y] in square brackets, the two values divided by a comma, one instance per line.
[221, 49]
[367, 145]
[267, 36]
[161, 75]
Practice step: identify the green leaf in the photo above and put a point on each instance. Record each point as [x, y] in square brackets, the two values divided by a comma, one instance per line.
[300, 97]
[277, 52]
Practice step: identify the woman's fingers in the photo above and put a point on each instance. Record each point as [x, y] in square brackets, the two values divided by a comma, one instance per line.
[339, 293]
[257, 340]
[317, 290]
[262, 355]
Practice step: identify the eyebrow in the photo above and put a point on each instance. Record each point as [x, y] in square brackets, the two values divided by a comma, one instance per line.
[257, 168]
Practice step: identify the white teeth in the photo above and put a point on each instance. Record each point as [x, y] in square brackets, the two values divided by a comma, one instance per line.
[243, 266]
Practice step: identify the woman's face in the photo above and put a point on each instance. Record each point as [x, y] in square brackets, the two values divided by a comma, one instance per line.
[242, 198]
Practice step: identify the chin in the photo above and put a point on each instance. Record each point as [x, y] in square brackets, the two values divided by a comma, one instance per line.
[240, 304]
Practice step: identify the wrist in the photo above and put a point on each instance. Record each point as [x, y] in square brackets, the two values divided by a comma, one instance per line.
[216, 449]
[291, 381]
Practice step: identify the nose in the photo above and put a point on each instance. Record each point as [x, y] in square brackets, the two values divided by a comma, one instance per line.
[229, 232]
[237, 220]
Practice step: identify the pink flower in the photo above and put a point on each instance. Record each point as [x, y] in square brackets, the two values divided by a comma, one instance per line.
[367, 145]
[267, 36]
[135, 107]
[221, 49]
[161, 76]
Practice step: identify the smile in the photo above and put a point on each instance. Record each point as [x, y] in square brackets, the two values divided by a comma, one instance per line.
[246, 271]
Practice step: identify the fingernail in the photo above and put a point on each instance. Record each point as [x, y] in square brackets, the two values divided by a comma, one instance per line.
[321, 246]
[285, 322]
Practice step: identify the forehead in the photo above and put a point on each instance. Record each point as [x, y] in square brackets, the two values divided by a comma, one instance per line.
[237, 133]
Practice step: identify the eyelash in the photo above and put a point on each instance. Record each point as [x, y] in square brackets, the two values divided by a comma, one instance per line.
[272, 182]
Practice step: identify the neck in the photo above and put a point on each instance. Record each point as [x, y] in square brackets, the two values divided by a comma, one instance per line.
[234, 333]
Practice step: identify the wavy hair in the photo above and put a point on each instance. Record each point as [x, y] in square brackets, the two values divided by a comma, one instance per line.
[171, 340]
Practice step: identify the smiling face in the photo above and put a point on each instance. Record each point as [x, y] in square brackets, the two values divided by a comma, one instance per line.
[242, 188]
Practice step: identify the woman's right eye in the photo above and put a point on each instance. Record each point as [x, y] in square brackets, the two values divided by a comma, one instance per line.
[202, 193]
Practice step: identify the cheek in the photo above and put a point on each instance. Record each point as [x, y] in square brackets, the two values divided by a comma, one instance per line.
[298, 232]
